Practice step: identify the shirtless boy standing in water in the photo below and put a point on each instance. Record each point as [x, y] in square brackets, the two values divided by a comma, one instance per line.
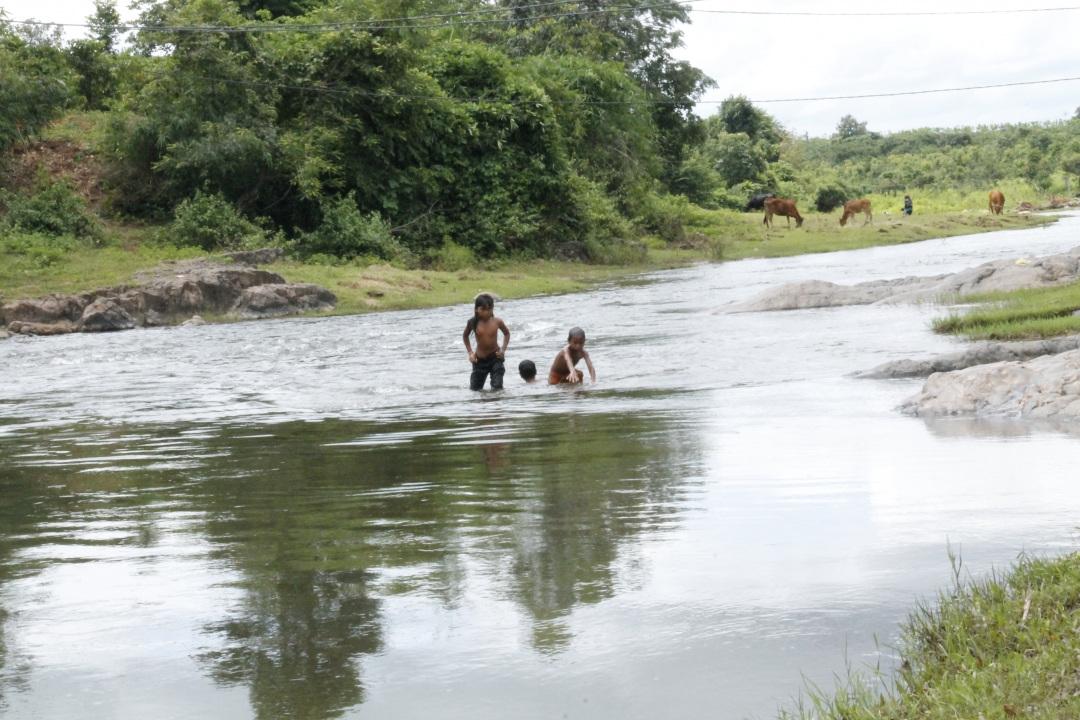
[488, 358]
[563, 370]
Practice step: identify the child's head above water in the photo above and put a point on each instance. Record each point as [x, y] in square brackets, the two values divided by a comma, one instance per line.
[527, 368]
[576, 339]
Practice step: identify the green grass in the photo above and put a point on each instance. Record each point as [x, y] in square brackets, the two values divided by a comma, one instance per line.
[742, 235]
[130, 248]
[1016, 315]
[1007, 646]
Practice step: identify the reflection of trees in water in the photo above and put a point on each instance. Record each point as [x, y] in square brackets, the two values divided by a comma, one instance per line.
[318, 531]
[599, 482]
[294, 644]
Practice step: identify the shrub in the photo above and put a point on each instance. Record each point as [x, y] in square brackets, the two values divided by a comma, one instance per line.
[451, 258]
[618, 252]
[347, 233]
[830, 197]
[211, 222]
[39, 249]
[55, 209]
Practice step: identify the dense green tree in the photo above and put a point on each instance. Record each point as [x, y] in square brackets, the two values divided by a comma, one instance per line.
[35, 83]
[849, 127]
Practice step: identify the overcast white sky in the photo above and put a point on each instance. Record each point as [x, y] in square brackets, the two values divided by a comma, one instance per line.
[782, 57]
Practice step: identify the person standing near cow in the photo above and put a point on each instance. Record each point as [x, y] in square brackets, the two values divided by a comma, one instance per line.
[908, 207]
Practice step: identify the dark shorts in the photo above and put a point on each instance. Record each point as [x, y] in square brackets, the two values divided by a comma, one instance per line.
[490, 365]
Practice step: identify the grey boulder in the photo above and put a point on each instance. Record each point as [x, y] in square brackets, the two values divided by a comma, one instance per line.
[1046, 388]
[105, 315]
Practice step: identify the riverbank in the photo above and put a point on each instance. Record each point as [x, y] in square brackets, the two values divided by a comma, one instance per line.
[711, 236]
[1001, 647]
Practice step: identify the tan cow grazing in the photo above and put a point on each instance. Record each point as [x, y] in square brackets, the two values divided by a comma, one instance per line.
[857, 206]
[783, 208]
[997, 201]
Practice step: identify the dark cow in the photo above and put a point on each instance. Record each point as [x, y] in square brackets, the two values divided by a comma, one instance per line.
[757, 202]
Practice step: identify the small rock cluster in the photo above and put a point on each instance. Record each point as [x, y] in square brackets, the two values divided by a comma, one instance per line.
[240, 291]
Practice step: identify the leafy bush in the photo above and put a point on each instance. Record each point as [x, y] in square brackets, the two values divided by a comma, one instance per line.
[55, 209]
[831, 197]
[211, 222]
[665, 215]
[452, 257]
[618, 252]
[347, 233]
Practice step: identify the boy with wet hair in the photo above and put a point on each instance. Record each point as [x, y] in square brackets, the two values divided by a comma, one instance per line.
[527, 370]
[488, 358]
[563, 370]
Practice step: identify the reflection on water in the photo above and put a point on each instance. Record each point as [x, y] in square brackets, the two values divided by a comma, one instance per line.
[315, 518]
[318, 523]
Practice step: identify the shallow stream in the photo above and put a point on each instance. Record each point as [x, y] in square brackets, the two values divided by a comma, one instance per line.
[315, 518]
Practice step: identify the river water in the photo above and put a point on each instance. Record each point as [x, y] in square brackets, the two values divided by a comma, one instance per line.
[314, 518]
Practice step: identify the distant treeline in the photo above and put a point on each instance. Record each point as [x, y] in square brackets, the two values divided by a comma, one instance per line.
[746, 152]
[504, 128]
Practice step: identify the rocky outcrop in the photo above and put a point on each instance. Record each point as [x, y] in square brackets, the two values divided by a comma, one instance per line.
[265, 301]
[982, 353]
[1047, 388]
[167, 296]
[999, 275]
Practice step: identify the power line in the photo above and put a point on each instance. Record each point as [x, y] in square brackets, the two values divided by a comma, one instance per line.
[543, 101]
[799, 13]
[921, 92]
[398, 23]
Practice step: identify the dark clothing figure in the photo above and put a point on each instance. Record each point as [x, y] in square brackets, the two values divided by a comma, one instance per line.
[907, 205]
[484, 366]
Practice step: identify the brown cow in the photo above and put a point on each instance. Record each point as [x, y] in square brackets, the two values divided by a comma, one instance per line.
[783, 208]
[857, 206]
[997, 201]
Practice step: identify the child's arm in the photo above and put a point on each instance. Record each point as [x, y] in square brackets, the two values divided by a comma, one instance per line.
[573, 374]
[506, 339]
[468, 345]
[588, 364]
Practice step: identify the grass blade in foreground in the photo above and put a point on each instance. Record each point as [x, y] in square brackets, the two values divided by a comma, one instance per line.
[1007, 646]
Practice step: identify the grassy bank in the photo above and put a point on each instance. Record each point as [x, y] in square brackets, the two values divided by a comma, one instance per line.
[129, 249]
[1000, 648]
[743, 235]
[1016, 315]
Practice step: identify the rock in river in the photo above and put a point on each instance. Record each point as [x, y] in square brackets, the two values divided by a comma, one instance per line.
[1047, 388]
[1012, 274]
[981, 353]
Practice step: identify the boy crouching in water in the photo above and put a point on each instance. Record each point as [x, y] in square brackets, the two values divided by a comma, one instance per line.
[563, 370]
[488, 358]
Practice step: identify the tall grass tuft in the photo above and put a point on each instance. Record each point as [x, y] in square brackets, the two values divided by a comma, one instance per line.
[1005, 646]
[1016, 315]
